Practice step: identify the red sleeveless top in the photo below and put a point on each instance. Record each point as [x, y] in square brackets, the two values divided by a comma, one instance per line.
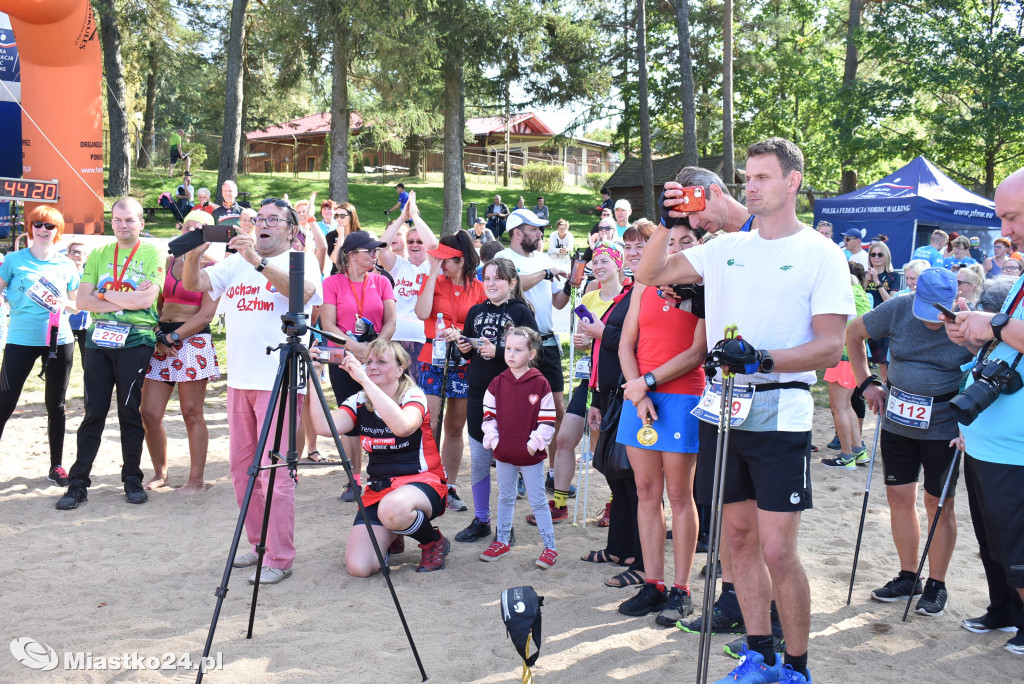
[664, 334]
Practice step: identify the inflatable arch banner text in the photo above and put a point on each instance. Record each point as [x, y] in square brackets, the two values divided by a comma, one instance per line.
[61, 91]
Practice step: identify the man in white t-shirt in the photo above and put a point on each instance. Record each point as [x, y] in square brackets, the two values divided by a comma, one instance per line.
[622, 211]
[409, 274]
[539, 278]
[852, 243]
[253, 288]
[788, 292]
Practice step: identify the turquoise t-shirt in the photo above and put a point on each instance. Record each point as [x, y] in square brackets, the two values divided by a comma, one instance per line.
[30, 320]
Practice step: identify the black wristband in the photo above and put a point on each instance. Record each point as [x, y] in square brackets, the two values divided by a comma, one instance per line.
[161, 338]
[548, 275]
[567, 290]
[871, 380]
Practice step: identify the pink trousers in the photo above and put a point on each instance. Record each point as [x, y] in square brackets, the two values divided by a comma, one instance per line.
[246, 412]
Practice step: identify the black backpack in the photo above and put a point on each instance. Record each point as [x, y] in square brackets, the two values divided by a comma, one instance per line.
[520, 611]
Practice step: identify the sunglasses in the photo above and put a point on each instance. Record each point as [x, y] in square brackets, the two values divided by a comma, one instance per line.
[39, 224]
[876, 254]
[414, 242]
[284, 204]
[342, 214]
[372, 252]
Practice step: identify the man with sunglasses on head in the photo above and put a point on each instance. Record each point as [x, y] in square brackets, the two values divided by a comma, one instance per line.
[119, 289]
[252, 285]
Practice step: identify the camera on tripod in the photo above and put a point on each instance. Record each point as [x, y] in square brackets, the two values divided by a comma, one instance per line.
[992, 377]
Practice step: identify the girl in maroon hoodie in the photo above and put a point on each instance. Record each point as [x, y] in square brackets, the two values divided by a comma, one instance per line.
[519, 422]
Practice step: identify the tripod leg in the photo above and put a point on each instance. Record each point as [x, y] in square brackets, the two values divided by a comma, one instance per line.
[954, 464]
[864, 509]
[254, 470]
[314, 383]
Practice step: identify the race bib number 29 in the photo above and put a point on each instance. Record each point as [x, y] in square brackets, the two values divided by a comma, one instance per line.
[710, 404]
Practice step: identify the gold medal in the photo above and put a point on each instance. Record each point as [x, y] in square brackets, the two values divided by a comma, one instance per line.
[647, 435]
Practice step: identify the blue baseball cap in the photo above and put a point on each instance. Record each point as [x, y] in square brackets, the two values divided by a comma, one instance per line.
[934, 286]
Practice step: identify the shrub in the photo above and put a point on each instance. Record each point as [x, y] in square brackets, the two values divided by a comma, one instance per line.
[543, 178]
[596, 181]
[197, 152]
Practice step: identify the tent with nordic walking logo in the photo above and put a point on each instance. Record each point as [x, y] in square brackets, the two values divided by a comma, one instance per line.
[907, 206]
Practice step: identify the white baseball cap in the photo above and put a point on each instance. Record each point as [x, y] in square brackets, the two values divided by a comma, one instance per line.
[521, 216]
[624, 204]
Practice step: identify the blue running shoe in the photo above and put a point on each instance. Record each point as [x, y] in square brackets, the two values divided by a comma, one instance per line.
[791, 676]
[752, 670]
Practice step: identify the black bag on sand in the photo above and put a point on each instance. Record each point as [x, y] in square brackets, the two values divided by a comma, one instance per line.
[610, 458]
[520, 611]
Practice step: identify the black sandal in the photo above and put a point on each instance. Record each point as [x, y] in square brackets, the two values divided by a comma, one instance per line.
[601, 556]
[627, 578]
[320, 458]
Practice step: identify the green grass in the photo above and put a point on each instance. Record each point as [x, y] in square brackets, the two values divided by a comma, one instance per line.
[370, 197]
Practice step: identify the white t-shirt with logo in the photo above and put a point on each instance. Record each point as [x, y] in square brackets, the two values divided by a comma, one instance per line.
[252, 313]
[409, 281]
[770, 289]
[540, 294]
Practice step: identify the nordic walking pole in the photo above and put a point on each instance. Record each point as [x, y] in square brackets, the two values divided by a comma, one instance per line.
[953, 466]
[715, 527]
[864, 508]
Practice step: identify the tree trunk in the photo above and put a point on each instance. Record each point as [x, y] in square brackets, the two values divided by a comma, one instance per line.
[147, 153]
[243, 143]
[990, 172]
[686, 87]
[626, 144]
[462, 132]
[848, 183]
[453, 83]
[728, 144]
[120, 174]
[232, 132]
[338, 186]
[414, 145]
[646, 163]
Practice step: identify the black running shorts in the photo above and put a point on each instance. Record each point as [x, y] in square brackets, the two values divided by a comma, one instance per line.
[772, 468]
[1001, 499]
[549, 363]
[903, 458]
[436, 506]
[578, 401]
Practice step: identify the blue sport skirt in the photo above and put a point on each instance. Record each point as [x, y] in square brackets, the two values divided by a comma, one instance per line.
[676, 427]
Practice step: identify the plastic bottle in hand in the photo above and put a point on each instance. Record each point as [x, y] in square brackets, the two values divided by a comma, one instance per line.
[440, 346]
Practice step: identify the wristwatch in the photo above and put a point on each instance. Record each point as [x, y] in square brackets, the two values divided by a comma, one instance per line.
[767, 363]
[101, 293]
[262, 265]
[999, 322]
[548, 275]
[174, 337]
[652, 384]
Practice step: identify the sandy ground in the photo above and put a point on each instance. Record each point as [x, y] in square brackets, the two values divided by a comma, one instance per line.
[111, 578]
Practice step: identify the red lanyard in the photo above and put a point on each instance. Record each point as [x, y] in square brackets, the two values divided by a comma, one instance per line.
[119, 278]
[362, 293]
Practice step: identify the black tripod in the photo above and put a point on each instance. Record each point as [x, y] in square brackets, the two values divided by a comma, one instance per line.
[295, 366]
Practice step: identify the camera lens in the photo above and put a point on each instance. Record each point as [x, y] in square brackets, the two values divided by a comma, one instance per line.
[967, 405]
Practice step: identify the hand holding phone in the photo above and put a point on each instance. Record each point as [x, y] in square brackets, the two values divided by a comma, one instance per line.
[584, 313]
[950, 315]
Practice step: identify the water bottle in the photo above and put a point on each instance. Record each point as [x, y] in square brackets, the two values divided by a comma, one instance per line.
[440, 349]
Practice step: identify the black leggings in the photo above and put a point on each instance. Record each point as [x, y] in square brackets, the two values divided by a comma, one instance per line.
[18, 363]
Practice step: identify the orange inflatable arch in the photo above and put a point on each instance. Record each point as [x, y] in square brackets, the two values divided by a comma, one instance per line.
[61, 93]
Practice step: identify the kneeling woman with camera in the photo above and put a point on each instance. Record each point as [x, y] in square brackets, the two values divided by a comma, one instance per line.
[406, 485]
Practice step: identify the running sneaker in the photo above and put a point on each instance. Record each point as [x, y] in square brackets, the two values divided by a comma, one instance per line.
[58, 476]
[495, 551]
[722, 622]
[453, 501]
[898, 589]
[547, 559]
[791, 676]
[845, 461]
[735, 648]
[985, 624]
[752, 670]
[679, 606]
[134, 492]
[862, 457]
[478, 529]
[348, 494]
[549, 484]
[933, 601]
[834, 444]
[433, 553]
[75, 494]
[520, 488]
[648, 600]
[557, 514]
[1016, 644]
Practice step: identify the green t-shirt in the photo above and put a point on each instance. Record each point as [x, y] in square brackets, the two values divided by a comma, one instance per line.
[146, 264]
[174, 140]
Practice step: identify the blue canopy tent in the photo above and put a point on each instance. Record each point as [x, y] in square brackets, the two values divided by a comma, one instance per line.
[907, 206]
[10, 115]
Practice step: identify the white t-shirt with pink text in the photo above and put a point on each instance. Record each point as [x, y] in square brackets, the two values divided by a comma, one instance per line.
[409, 281]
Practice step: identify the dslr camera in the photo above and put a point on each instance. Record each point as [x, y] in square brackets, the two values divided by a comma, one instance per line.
[992, 377]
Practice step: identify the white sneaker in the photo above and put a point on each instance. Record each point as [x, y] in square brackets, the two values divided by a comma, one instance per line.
[246, 560]
[271, 575]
